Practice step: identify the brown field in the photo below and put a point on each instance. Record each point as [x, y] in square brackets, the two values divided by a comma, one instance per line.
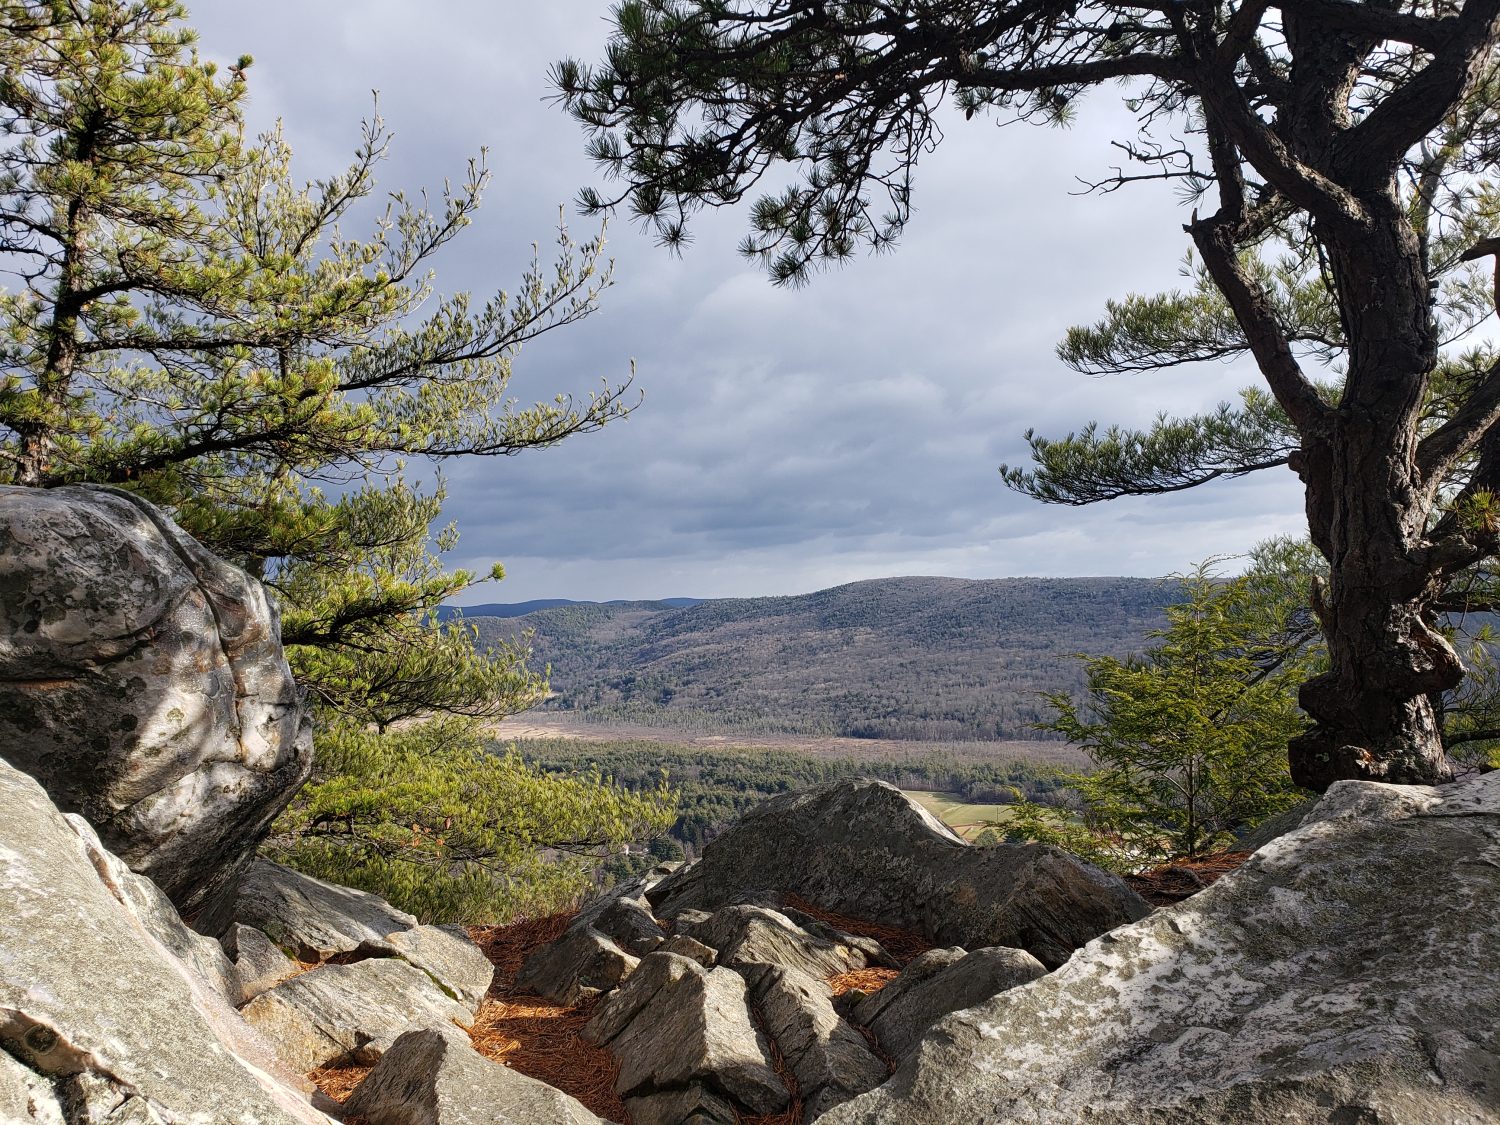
[543, 725]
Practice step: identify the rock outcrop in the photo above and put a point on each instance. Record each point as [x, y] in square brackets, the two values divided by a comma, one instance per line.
[674, 1026]
[865, 849]
[102, 1016]
[318, 920]
[1348, 972]
[427, 1078]
[142, 682]
[354, 1012]
[936, 983]
[829, 1059]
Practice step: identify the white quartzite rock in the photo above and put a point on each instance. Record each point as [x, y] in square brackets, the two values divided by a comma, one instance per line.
[351, 1011]
[142, 682]
[100, 1008]
[427, 1078]
[319, 920]
[258, 961]
[149, 905]
[1348, 972]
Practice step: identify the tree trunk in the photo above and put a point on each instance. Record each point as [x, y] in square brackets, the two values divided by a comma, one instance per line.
[1368, 514]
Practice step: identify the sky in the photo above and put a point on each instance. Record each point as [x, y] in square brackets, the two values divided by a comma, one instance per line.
[789, 440]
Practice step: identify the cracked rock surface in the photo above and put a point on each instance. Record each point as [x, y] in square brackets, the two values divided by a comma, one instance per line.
[100, 1018]
[318, 920]
[1348, 972]
[142, 682]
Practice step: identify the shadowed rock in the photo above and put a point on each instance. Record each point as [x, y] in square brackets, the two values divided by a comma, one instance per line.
[830, 1060]
[938, 983]
[865, 849]
[578, 966]
[142, 682]
[674, 1023]
[1347, 972]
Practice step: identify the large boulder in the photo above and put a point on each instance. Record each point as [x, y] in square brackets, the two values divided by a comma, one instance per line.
[142, 682]
[317, 920]
[428, 1078]
[601, 946]
[865, 849]
[352, 1012]
[675, 1025]
[936, 983]
[1348, 972]
[100, 1014]
[830, 1059]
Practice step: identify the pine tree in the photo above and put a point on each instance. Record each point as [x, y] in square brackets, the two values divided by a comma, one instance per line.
[1187, 740]
[186, 320]
[1338, 152]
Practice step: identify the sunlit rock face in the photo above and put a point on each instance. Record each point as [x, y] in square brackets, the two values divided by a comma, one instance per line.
[1348, 972]
[111, 1010]
[143, 683]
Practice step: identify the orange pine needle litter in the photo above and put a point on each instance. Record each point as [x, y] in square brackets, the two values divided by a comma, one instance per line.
[866, 980]
[533, 1036]
[338, 1080]
[1182, 878]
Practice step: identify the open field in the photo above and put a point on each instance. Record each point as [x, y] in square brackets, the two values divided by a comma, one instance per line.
[968, 820]
[537, 725]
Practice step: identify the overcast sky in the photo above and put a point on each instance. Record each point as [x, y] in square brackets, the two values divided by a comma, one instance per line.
[790, 440]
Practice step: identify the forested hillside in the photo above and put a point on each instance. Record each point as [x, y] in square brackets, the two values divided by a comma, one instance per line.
[907, 658]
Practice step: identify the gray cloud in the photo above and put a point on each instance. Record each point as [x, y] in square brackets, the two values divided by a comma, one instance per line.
[790, 439]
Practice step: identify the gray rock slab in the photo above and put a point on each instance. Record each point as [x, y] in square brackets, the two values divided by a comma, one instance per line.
[1348, 972]
[750, 935]
[87, 989]
[688, 1105]
[258, 961]
[863, 848]
[830, 1060]
[317, 920]
[578, 966]
[27, 1098]
[691, 948]
[674, 1023]
[353, 1011]
[904, 1009]
[143, 683]
[429, 1078]
[630, 924]
[148, 905]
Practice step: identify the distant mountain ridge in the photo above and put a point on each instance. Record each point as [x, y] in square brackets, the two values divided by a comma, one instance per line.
[937, 659]
[520, 609]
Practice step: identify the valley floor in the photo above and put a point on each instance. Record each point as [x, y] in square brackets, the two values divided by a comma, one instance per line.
[550, 725]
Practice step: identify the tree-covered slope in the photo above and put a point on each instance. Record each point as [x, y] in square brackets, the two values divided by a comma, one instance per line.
[913, 658]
